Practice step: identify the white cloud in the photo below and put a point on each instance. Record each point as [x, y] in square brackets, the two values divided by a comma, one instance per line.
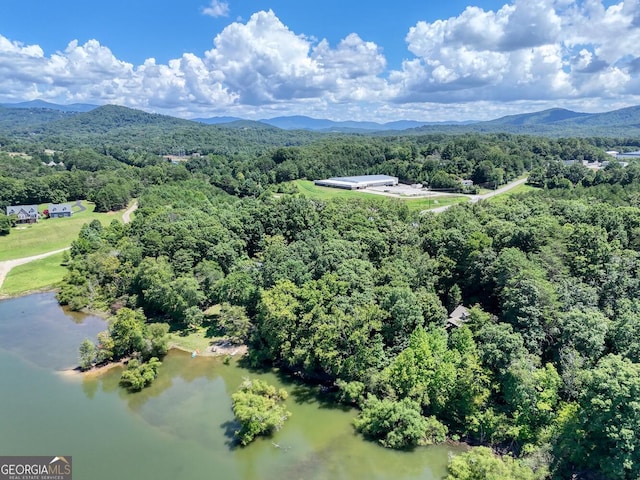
[529, 54]
[529, 49]
[216, 9]
[265, 62]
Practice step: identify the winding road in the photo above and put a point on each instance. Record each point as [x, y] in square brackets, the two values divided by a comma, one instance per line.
[477, 198]
[7, 265]
[126, 216]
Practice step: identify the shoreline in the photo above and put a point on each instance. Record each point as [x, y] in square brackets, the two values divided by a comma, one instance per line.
[92, 372]
[218, 349]
[213, 351]
[9, 296]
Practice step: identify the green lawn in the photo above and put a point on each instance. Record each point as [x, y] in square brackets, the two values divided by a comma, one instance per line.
[309, 190]
[420, 204]
[36, 275]
[524, 188]
[314, 192]
[192, 340]
[49, 234]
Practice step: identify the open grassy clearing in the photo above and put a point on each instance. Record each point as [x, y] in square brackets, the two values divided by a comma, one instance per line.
[194, 340]
[524, 188]
[314, 192]
[420, 204]
[309, 190]
[50, 234]
[200, 338]
[36, 275]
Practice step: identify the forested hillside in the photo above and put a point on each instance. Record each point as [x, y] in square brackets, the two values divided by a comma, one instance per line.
[129, 129]
[112, 173]
[354, 296]
[41, 119]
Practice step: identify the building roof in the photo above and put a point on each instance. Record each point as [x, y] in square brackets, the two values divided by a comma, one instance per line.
[59, 207]
[26, 209]
[364, 179]
[459, 316]
[460, 312]
[629, 154]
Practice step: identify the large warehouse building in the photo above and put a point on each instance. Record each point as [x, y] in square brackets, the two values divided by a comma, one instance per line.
[358, 183]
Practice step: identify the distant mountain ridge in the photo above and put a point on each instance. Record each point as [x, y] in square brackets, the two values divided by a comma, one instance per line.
[44, 118]
[73, 107]
[217, 120]
[301, 122]
[543, 117]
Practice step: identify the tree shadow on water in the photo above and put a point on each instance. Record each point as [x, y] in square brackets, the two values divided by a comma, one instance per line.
[229, 428]
[317, 390]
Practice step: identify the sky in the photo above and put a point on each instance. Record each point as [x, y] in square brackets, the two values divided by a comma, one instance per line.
[336, 59]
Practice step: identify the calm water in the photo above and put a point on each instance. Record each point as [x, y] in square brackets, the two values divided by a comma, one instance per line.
[180, 427]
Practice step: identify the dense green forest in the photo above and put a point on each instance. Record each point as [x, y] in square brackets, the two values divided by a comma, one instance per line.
[354, 295]
[247, 162]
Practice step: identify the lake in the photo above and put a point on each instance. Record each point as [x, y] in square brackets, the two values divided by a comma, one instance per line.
[179, 427]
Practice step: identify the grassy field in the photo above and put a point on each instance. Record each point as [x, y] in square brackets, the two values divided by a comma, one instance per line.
[194, 340]
[37, 275]
[420, 204]
[49, 234]
[309, 190]
[524, 188]
[314, 192]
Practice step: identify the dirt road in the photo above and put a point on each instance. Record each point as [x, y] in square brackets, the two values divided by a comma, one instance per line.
[126, 216]
[6, 266]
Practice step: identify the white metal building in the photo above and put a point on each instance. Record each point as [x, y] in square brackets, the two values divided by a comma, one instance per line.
[358, 182]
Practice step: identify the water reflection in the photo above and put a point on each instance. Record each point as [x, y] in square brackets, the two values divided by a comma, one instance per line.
[36, 328]
[180, 426]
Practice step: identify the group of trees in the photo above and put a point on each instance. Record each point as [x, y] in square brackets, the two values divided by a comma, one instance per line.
[110, 168]
[260, 409]
[130, 337]
[439, 161]
[86, 174]
[355, 295]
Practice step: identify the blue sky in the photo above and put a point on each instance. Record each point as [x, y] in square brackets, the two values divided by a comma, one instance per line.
[407, 59]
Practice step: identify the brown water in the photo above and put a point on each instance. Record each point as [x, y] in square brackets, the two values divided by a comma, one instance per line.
[180, 427]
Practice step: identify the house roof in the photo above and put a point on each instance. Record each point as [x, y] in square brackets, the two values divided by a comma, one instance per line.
[25, 209]
[458, 317]
[59, 207]
[460, 312]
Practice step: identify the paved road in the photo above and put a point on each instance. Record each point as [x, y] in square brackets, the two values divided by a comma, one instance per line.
[477, 198]
[80, 206]
[6, 266]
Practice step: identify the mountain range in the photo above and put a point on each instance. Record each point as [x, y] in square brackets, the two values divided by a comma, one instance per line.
[551, 122]
[73, 107]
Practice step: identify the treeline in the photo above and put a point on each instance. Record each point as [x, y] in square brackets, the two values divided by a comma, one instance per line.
[111, 173]
[623, 182]
[108, 181]
[356, 295]
[438, 161]
[137, 130]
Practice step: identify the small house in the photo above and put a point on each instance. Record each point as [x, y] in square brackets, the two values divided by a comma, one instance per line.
[57, 210]
[25, 213]
[458, 317]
